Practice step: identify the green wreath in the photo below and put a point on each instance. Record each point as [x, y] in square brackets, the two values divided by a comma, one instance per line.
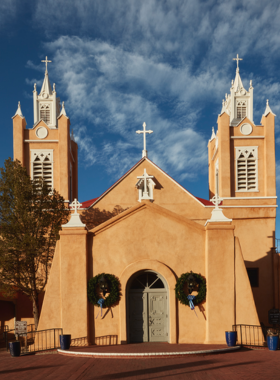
[181, 294]
[94, 296]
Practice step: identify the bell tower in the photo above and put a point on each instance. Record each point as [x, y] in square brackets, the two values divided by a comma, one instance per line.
[241, 154]
[47, 150]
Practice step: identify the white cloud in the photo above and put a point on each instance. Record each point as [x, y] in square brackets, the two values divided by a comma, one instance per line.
[114, 91]
[8, 12]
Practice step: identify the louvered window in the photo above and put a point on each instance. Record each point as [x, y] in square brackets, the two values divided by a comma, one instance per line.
[42, 166]
[241, 110]
[45, 113]
[247, 169]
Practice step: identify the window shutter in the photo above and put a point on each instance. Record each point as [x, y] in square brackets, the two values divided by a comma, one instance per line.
[246, 169]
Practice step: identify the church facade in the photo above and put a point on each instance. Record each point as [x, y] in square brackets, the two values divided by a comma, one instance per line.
[147, 230]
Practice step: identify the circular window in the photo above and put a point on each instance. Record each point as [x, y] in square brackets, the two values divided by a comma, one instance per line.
[41, 132]
[246, 129]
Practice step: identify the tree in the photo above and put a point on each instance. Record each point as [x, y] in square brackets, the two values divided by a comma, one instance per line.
[30, 219]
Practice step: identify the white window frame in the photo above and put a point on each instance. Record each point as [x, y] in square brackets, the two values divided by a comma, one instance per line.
[42, 154]
[43, 106]
[246, 151]
[241, 103]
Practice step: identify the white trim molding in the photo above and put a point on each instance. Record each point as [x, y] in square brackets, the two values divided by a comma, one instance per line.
[247, 137]
[41, 141]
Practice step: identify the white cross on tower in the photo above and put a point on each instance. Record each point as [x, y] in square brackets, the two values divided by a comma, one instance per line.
[46, 61]
[144, 152]
[237, 59]
[216, 200]
[145, 177]
[75, 205]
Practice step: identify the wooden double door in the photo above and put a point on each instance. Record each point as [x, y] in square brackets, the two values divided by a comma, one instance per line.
[148, 310]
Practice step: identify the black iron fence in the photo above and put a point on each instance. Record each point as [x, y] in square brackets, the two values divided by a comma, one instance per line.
[250, 335]
[34, 341]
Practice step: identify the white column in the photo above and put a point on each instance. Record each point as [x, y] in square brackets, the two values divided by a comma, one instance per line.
[54, 107]
[35, 105]
[251, 90]
[232, 103]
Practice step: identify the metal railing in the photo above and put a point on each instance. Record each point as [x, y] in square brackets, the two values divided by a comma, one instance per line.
[250, 335]
[34, 341]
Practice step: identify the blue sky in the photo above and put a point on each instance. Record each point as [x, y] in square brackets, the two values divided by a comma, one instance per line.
[118, 63]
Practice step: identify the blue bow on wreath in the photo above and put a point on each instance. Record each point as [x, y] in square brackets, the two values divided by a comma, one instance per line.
[100, 303]
[191, 298]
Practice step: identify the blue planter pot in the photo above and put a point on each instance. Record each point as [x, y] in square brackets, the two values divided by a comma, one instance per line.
[65, 341]
[14, 348]
[231, 337]
[272, 342]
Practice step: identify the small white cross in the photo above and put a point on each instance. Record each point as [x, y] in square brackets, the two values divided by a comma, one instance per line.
[145, 176]
[144, 153]
[237, 59]
[75, 205]
[46, 61]
[216, 200]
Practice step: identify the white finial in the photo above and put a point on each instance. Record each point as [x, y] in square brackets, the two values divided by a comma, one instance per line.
[216, 200]
[237, 59]
[144, 152]
[251, 83]
[217, 214]
[35, 86]
[62, 112]
[75, 220]
[232, 83]
[268, 109]
[54, 87]
[19, 113]
[75, 205]
[213, 136]
[46, 61]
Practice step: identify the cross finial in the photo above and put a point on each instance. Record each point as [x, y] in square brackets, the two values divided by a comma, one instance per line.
[237, 59]
[75, 205]
[46, 61]
[216, 200]
[144, 152]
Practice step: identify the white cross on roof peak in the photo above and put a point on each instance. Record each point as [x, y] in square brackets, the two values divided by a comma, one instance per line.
[144, 152]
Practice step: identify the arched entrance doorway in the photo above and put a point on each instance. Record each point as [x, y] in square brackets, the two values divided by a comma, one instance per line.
[148, 314]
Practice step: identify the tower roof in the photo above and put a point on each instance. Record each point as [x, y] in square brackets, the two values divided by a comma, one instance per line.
[46, 86]
[237, 85]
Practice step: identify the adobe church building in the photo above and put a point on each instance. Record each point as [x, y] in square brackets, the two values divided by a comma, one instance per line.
[147, 230]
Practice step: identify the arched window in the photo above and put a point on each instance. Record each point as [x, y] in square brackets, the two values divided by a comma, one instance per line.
[241, 109]
[45, 113]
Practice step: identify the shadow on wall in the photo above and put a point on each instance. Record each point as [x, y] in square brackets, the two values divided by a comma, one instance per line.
[106, 340]
[94, 216]
[265, 282]
[79, 342]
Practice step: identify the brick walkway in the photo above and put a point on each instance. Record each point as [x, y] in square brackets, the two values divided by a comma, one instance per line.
[242, 364]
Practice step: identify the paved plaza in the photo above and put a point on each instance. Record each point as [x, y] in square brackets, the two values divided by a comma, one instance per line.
[241, 364]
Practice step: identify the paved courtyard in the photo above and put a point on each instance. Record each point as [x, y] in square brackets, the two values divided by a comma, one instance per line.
[242, 364]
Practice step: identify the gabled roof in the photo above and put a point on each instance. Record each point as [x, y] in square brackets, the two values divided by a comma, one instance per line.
[94, 201]
[141, 206]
